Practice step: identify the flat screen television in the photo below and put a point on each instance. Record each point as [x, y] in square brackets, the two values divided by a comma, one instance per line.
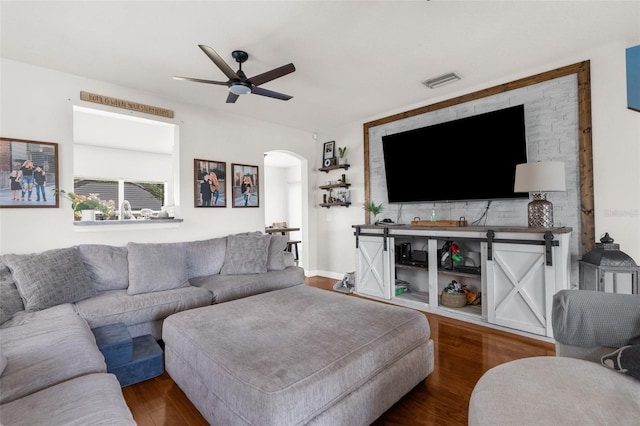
[472, 158]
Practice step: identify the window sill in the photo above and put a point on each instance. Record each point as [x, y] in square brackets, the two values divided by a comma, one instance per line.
[126, 224]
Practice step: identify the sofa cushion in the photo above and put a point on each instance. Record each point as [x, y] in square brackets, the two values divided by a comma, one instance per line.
[94, 399]
[275, 257]
[50, 278]
[10, 300]
[205, 257]
[107, 266]
[26, 317]
[114, 306]
[47, 350]
[625, 360]
[246, 254]
[3, 361]
[156, 267]
[230, 287]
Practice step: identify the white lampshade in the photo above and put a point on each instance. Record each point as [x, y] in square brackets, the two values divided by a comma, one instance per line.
[542, 176]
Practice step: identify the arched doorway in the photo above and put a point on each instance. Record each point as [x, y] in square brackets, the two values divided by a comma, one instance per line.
[284, 195]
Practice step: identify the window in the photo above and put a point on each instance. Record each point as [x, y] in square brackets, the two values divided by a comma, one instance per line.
[128, 158]
[141, 195]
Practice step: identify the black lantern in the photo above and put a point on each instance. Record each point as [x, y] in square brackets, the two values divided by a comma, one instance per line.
[606, 268]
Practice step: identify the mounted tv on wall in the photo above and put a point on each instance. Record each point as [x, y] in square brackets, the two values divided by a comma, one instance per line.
[472, 158]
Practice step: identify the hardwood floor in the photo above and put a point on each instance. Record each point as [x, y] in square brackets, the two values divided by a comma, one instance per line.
[463, 352]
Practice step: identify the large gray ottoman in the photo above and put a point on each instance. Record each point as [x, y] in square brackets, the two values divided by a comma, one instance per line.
[297, 356]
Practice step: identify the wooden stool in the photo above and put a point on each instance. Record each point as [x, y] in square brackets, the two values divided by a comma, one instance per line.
[295, 246]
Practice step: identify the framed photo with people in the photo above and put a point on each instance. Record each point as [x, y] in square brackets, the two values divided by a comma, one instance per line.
[29, 174]
[209, 180]
[246, 186]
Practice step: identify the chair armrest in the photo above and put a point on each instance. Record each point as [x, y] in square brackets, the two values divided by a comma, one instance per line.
[591, 318]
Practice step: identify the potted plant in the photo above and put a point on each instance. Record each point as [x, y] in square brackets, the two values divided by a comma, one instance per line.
[342, 152]
[89, 203]
[374, 209]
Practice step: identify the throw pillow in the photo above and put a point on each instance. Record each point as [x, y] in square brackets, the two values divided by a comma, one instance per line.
[156, 267]
[107, 266]
[275, 257]
[50, 278]
[205, 257]
[10, 300]
[625, 360]
[246, 254]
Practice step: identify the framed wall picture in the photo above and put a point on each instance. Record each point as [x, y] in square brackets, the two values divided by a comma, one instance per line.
[28, 173]
[245, 186]
[210, 183]
[328, 150]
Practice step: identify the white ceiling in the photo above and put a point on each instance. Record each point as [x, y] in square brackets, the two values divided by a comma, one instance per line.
[355, 60]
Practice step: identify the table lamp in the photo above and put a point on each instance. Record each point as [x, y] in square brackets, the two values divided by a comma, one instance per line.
[539, 178]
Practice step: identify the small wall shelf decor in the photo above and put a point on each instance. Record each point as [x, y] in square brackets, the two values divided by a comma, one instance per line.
[341, 197]
[334, 167]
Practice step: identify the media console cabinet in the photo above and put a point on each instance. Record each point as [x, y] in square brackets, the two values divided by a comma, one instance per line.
[517, 270]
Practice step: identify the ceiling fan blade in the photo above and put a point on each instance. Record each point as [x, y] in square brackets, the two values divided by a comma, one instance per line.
[231, 99]
[199, 80]
[272, 75]
[264, 92]
[224, 67]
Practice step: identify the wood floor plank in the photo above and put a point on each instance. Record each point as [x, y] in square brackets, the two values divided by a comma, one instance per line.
[463, 352]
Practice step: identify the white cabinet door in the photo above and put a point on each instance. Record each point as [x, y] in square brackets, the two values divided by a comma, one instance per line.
[520, 287]
[373, 267]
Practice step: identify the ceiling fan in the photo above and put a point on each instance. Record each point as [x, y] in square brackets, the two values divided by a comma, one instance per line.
[238, 82]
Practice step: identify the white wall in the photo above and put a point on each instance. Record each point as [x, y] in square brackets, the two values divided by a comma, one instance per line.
[37, 105]
[616, 163]
[277, 197]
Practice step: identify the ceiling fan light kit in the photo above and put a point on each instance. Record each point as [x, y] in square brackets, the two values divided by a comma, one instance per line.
[238, 82]
[441, 80]
[240, 89]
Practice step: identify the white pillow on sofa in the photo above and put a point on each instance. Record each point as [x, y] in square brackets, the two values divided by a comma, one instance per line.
[156, 267]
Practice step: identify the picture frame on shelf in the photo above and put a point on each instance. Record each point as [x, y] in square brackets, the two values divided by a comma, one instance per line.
[328, 150]
[210, 183]
[246, 185]
[32, 177]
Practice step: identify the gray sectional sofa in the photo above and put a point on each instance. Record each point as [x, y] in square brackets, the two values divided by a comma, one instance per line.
[51, 371]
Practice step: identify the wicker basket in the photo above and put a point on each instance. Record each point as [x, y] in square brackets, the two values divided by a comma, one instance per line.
[453, 300]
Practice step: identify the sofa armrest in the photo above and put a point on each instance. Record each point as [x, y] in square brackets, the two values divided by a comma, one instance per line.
[587, 318]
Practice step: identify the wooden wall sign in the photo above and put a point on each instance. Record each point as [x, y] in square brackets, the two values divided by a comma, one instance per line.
[121, 103]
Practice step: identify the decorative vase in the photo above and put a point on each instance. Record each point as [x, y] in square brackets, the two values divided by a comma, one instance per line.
[88, 215]
[342, 160]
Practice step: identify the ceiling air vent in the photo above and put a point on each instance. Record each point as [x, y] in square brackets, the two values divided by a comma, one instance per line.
[441, 80]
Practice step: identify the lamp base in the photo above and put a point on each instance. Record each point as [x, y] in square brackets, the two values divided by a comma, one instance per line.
[540, 211]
